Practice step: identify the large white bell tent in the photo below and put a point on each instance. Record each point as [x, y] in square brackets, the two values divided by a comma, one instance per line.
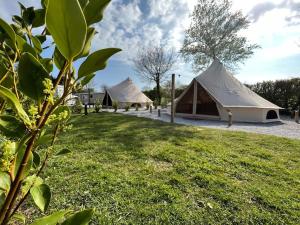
[125, 93]
[216, 91]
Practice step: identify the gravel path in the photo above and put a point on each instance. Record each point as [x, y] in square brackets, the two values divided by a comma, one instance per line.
[286, 128]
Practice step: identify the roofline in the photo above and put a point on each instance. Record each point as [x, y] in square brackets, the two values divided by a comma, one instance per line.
[250, 107]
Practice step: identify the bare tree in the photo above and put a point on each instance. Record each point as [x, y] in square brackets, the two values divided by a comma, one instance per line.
[103, 88]
[153, 63]
[214, 33]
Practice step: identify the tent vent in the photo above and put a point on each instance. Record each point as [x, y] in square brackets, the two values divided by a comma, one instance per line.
[272, 115]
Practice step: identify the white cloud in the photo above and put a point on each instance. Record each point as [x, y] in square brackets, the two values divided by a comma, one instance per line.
[136, 23]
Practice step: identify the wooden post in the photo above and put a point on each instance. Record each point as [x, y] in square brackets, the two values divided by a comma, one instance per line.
[229, 118]
[85, 109]
[195, 98]
[297, 116]
[172, 99]
[158, 112]
[150, 108]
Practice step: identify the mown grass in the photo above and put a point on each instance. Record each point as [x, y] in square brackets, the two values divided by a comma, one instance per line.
[138, 171]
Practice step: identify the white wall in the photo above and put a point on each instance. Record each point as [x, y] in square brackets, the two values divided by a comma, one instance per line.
[246, 114]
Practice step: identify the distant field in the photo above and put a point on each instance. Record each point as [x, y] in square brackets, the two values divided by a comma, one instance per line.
[138, 171]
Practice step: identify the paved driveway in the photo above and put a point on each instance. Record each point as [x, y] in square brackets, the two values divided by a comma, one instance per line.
[286, 128]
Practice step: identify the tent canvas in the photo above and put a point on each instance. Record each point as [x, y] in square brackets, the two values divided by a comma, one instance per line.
[125, 93]
[216, 91]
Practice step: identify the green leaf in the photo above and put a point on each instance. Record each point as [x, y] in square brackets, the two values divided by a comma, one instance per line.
[36, 160]
[44, 3]
[18, 161]
[29, 182]
[65, 21]
[96, 61]
[48, 64]
[41, 196]
[8, 81]
[63, 109]
[27, 14]
[93, 12]
[15, 103]
[4, 181]
[59, 59]
[19, 217]
[87, 46]
[9, 31]
[63, 152]
[87, 79]
[42, 38]
[37, 44]
[80, 218]
[23, 46]
[83, 3]
[31, 77]
[45, 139]
[39, 18]
[11, 127]
[53, 219]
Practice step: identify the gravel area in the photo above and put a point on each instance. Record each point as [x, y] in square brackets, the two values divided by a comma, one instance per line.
[287, 128]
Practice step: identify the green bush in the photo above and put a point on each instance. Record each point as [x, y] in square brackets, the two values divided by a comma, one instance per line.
[127, 107]
[164, 103]
[77, 108]
[98, 105]
[115, 105]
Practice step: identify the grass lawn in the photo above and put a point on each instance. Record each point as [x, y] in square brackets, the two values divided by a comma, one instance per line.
[139, 171]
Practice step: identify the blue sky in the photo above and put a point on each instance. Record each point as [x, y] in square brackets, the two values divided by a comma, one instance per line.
[130, 24]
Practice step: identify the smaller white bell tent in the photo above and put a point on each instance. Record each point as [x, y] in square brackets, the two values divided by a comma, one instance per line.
[125, 93]
[216, 91]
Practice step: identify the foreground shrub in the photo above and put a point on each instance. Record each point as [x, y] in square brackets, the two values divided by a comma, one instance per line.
[30, 133]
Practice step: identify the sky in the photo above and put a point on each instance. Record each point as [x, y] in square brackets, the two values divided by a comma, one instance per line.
[131, 24]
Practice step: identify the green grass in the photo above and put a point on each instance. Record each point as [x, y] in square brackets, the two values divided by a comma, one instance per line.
[138, 171]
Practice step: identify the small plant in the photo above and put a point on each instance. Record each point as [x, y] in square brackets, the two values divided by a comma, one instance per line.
[127, 107]
[77, 108]
[115, 105]
[147, 105]
[98, 105]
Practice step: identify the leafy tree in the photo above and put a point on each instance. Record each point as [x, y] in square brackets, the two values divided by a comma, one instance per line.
[31, 117]
[284, 93]
[214, 33]
[153, 63]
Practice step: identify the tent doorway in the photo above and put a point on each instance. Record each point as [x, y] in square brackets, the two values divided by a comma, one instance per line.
[205, 104]
[185, 104]
[197, 102]
[107, 100]
[136, 104]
